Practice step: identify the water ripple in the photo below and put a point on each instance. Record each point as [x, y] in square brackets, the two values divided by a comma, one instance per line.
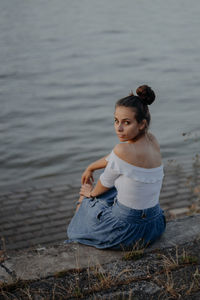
[60, 77]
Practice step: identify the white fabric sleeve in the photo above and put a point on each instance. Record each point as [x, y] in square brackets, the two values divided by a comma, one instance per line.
[108, 157]
[108, 177]
[110, 174]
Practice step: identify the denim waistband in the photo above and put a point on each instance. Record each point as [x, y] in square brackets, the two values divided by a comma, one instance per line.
[131, 215]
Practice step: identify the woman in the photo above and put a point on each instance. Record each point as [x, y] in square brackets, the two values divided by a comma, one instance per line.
[122, 210]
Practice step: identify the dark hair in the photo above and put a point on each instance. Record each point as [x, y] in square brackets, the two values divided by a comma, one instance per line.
[145, 96]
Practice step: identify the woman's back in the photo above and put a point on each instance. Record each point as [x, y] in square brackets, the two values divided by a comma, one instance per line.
[138, 187]
[144, 153]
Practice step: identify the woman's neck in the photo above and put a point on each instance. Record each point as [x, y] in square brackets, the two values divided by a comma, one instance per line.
[140, 136]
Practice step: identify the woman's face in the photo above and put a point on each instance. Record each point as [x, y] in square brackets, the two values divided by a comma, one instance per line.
[126, 126]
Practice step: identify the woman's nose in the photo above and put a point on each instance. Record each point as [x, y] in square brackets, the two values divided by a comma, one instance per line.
[120, 127]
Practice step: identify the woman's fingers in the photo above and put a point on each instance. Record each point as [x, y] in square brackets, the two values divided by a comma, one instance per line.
[86, 188]
[81, 191]
[83, 187]
[87, 177]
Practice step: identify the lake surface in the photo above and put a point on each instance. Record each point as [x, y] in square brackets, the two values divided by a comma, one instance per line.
[63, 65]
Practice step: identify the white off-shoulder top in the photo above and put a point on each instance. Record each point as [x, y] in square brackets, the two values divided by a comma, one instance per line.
[137, 187]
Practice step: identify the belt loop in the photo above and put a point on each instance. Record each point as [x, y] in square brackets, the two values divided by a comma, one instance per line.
[143, 216]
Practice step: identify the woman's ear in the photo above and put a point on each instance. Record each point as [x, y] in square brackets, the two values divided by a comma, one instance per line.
[143, 125]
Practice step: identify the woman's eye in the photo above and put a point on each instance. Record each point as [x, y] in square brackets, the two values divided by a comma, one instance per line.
[126, 122]
[116, 121]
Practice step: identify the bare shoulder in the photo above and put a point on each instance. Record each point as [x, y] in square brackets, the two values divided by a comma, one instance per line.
[154, 140]
[152, 137]
[119, 149]
[123, 151]
[145, 154]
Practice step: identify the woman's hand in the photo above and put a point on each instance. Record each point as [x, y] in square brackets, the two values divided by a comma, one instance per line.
[86, 190]
[87, 177]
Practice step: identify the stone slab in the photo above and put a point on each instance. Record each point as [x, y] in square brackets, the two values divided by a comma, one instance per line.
[179, 232]
[44, 262]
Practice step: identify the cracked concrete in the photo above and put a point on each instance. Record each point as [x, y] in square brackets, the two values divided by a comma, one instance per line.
[44, 262]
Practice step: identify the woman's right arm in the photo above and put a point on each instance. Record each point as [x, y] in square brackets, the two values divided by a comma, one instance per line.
[87, 176]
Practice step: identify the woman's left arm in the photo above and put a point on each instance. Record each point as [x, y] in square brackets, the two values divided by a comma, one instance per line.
[106, 181]
[88, 191]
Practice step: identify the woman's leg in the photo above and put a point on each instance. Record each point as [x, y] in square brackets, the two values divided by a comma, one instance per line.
[108, 196]
[79, 202]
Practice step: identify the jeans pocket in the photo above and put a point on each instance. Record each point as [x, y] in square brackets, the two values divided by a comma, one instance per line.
[92, 202]
[99, 215]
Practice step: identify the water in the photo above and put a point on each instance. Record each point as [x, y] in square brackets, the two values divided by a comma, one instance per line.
[63, 64]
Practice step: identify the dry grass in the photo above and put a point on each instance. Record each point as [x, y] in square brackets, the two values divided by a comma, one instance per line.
[136, 252]
[195, 284]
[173, 285]
[133, 255]
[175, 289]
[92, 280]
[171, 262]
[169, 291]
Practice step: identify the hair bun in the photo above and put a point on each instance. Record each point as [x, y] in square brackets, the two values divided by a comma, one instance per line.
[146, 94]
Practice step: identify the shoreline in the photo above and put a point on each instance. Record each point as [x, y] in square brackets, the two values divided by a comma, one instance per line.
[59, 179]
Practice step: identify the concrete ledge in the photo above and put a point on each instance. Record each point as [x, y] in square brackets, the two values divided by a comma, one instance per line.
[43, 262]
[179, 232]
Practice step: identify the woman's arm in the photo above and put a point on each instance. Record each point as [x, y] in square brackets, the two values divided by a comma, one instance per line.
[105, 182]
[87, 176]
[88, 191]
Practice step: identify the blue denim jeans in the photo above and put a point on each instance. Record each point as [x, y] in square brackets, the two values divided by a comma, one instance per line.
[103, 222]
